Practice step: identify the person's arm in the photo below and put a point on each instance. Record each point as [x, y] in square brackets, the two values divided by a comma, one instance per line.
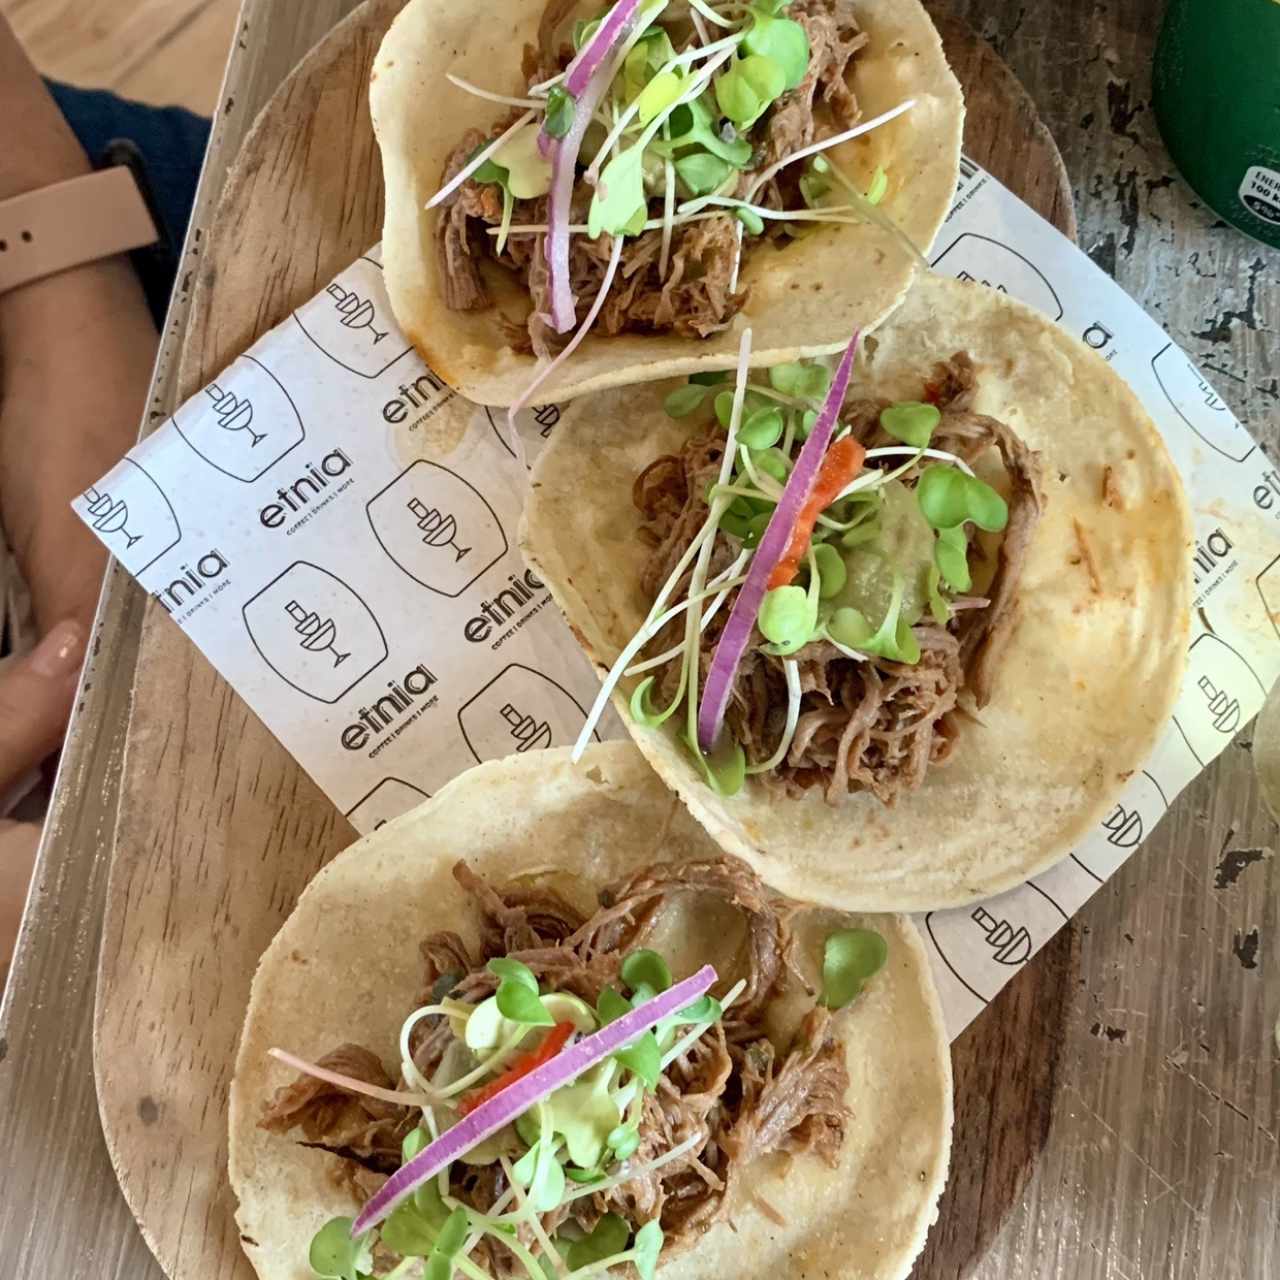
[76, 351]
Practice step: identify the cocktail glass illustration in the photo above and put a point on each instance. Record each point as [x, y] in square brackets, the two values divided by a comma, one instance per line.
[110, 515]
[317, 634]
[1224, 709]
[1008, 945]
[1123, 827]
[438, 528]
[356, 312]
[527, 732]
[234, 413]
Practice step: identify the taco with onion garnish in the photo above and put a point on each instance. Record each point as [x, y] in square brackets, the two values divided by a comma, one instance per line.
[543, 1027]
[901, 642]
[581, 197]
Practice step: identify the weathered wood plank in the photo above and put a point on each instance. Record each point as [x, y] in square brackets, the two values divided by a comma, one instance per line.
[162, 51]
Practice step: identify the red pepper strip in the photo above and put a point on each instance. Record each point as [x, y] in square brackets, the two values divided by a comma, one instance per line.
[555, 1040]
[843, 462]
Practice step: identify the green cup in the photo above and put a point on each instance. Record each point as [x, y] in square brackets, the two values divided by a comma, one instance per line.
[1216, 88]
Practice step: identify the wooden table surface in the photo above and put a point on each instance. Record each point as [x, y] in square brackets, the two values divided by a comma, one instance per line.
[1162, 1101]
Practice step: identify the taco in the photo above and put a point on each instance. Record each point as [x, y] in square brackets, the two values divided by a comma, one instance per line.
[924, 654]
[795, 1117]
[712, 160]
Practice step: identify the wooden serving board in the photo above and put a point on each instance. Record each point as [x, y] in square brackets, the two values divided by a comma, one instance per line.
[220, 829]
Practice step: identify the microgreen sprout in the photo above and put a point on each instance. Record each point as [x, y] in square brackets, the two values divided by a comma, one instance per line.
[951, 554]
[609, 1236]
[781, 40]
[949, 498]
[336, 1255]
[517, 997]
[850, 958]
[645, 967]
[911, 422]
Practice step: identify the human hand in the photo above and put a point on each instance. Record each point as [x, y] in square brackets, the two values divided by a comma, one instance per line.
[36, 694]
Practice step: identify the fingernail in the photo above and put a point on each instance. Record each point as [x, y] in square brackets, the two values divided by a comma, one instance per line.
[60, 652]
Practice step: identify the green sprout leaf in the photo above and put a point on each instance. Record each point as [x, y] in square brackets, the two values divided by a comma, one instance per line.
[619, 193]
[647, 1246]
[692, 124]
[452, 1237]
[623, 1141]
[608, 1237]
[748, 87]
[686, 398]
[702, 172]
[541, 1174]
[611, 1006]
[737, 518]
[832, 570]
[762, 429]
[453, 1233]
[704, 1009]
[646, 967]
[750, 219]
[509, 970]
[893, 640]
[911, 422]
[848, 627]
[849, 959]
[724, 408]
[643, 1059]
[773, 462]
[489, 172]
[584, 1175]
[414, 1142]
[951, 554]
[336, 1256]
[814, 189]
[787, 618]
[651, 52]
[413, 1228]
[805, 380]
[724, 767]
[948, 498]
[756, 527]
[517, 1002]
[664, 89]
[560, 111]
[643, 712]
[783, 41]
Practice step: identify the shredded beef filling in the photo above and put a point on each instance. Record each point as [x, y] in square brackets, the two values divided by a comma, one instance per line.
[875, 725]
[693, 298]
[740, 1094]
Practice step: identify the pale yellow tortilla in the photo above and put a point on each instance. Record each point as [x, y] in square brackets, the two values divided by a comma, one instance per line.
[345, 967]
[1087, 681]
[805, 298]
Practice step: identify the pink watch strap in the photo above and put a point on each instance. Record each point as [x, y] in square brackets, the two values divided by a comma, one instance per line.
[81, 220]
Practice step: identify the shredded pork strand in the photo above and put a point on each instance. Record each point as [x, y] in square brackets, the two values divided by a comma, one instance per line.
[694, 297]
[735, 1091]
[874, 725]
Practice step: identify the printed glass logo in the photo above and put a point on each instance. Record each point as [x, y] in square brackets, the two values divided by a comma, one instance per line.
[437, 528]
